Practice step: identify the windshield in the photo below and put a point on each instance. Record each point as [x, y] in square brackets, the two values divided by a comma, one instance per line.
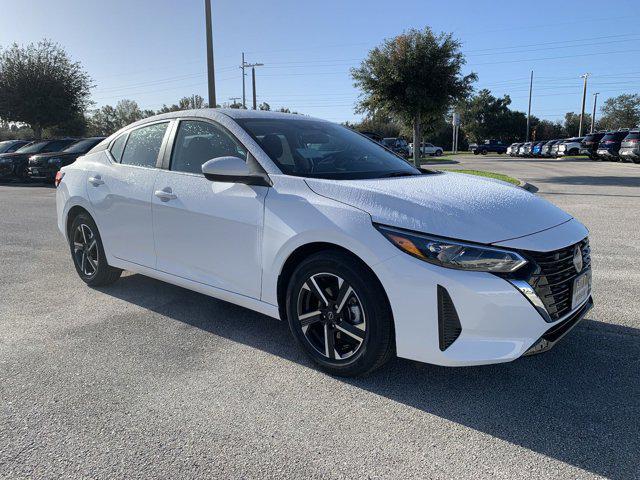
[34, 147]
[82, 146]
[310, 148]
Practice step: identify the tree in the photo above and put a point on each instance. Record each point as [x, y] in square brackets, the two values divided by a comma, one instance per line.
[548, 130]
[264, 106]
[415, 77]
[185, 103]
[383, 125]
[572, 124]
[41, 86]
[622, 111]
[108, 119]
[484, 116]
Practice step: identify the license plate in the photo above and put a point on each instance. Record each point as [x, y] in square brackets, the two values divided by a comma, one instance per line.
[581, 289]
[35, 171]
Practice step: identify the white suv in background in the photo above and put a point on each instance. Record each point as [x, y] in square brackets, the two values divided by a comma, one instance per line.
[570, 146]
[364, 255]
[428, 149]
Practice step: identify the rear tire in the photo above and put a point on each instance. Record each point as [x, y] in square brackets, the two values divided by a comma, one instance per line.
[88, 254]
[339, 314]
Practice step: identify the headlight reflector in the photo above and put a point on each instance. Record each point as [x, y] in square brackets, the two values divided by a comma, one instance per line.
[453, 254]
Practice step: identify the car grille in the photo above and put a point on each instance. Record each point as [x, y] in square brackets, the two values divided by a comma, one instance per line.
[553, 275]
[38, 162]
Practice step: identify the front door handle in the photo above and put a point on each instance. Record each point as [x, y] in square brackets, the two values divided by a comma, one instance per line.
[165, 194]
[96, 181]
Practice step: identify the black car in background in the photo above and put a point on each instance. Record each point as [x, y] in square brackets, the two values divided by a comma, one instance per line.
[14, 165]
[610, 144]
[589, 145]
[488, 146]
[10, 146]
[46, 165]
[397, 145]
[630, 147]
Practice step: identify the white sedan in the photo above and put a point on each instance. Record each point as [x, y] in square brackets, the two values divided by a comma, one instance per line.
[364, 255]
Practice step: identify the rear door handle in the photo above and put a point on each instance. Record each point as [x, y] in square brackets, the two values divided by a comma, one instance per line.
[96, 181]
[165, 194]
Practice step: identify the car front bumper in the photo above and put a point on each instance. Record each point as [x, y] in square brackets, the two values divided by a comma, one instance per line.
[46, 173]
[498, 322]
[605, 153]
[630, 153]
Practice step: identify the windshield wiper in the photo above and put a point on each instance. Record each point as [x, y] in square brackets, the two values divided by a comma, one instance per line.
[399, 174]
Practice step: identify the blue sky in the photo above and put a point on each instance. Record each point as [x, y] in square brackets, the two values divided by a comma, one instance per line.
[153, 51]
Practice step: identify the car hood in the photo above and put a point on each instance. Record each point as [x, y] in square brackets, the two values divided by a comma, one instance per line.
[454, 205]
[53, 155]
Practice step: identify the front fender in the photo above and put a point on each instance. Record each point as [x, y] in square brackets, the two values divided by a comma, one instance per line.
[296, 216]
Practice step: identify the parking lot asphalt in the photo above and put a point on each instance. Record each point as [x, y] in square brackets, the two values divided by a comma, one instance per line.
[146, 380]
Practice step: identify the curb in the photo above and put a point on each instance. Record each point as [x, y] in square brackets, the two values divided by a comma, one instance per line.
[527, 186]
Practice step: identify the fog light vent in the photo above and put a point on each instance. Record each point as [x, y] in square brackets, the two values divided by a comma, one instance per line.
[449, 327]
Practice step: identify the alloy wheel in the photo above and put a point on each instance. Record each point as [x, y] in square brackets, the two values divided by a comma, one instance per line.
[85, 250]
[331, 316]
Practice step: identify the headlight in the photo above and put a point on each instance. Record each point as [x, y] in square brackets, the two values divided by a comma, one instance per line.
[453, 254]
[54, 160]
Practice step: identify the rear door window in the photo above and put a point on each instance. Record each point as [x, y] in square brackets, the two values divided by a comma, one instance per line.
[143, 145]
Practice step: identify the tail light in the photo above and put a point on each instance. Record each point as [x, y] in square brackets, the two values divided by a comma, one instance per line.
[633, 140]
[58, 178]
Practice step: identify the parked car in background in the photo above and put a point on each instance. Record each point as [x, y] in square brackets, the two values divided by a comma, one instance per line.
[525, 149]
[570, 147]
[10, 146]
[589, 145]
[488, 146]
[536, 148]
[630, 147]
[356, 254]
[45, 165]
[397, 145]
[513, 149]
[545, 151]
[427, 149]
[373, 136]
[14, 165]
[609, 146]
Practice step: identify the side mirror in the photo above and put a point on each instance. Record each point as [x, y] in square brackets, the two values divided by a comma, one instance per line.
[234, 170]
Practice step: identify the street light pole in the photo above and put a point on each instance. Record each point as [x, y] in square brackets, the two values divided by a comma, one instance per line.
[593, 115]
[584, 99]
[210, 66]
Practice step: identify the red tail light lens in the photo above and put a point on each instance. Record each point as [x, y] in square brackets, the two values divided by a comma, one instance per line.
[633, 140]
[58, 178]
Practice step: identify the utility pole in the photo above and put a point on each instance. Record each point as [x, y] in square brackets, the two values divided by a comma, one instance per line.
[210, 67]
[584, 99]
[529, 111]
[253, 79]
[244, 97]
[593, 115]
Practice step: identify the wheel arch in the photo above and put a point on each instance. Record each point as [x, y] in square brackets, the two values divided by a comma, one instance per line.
[303, 251]
[71, 216]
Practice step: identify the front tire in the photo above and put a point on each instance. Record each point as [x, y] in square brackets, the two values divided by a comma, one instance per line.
[88, 253]
[438, 153]
[339, 314]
